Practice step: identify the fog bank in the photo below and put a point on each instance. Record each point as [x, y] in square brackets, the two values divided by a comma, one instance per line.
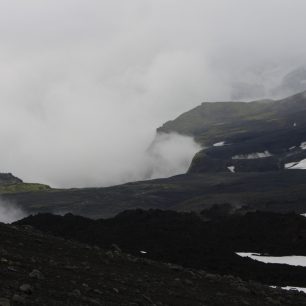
[9, 212]
[84, 84]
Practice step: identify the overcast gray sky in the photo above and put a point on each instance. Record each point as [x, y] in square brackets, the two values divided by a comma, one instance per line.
[84, 84]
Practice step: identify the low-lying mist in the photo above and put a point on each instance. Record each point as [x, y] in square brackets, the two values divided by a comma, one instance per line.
[170, 154]
[9, 212]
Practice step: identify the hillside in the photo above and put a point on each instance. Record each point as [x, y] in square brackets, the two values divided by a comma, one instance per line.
[209, 242]
[211, 123]
[246, 137]
[281, 191]
[254, 158]
[252, 164]
[12, 184]
[70, 273]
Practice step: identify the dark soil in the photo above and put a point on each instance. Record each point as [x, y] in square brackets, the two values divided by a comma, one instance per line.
[192, 241]
[279, 191]
[38, 269]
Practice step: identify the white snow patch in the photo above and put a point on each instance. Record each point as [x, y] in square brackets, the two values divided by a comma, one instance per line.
[255, 155]
[292, 148]
[143, 252]
[287, 260]
[291, 288]
[290, 165]
[219, 144]
[297, 165]
[303, 145]
[231, 168]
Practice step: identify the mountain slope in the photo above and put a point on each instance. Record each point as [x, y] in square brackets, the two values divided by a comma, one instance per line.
[70, 273]
[281, 191]
[214, 122]
[251, 160]
[191, 241]
[238, 136]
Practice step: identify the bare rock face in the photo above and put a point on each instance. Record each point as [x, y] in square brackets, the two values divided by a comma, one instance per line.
[9, 179]
[211, 123]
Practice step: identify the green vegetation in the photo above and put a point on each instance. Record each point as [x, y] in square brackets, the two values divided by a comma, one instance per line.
[209, 123]
[23, 187]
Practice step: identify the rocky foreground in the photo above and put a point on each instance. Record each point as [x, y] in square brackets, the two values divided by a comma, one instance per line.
[38, 269]
[205, 242]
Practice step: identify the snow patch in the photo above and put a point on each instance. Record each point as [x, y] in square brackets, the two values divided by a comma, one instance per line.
[255, 155]
[297, 165]
[231, 168]
[303, 145]
[291, 288]
[219, 144]
[290, 165]
[287, 260]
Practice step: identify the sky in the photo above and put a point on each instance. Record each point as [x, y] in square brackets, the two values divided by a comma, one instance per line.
[85, 84]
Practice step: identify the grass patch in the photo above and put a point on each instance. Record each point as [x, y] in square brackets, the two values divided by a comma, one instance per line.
[23, 187]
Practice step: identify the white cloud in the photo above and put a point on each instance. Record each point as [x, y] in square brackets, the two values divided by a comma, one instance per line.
[84, 84]
[9, 212]
[170, 154]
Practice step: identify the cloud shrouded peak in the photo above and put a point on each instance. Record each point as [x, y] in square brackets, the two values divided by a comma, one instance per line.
[84, 85]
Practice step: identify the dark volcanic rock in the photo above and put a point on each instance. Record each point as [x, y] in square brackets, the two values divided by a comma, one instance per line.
[36, 274]
[97, 279]
[9, 179]
[210, 123]
[265, 164]
[278, 191]
[203, 163]
[276, 127]
[26, 288]
[185, 239]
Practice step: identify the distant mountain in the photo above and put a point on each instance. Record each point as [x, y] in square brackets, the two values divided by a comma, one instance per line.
[253, 159]
[246, 137]
[214, 122]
